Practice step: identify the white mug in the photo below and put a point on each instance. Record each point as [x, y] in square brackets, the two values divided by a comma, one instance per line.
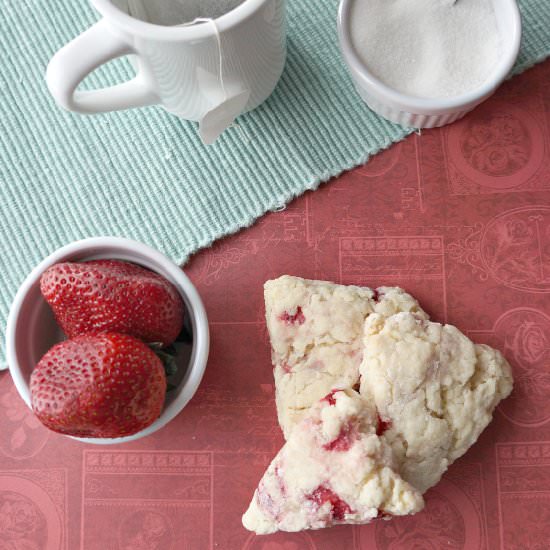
[210, 71]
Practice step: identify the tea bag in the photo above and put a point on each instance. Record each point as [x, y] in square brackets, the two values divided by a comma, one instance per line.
[178, 12]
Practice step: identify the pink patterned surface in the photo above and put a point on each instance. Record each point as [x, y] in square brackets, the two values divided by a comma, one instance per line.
[461, 218]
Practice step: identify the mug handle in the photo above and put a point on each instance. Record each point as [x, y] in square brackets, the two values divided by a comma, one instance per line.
[77, 59]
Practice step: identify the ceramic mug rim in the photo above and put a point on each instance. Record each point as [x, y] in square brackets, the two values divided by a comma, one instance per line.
[151, 31]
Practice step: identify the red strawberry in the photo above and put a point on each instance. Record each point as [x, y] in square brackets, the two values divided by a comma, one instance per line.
[113, 296]
[104, 385]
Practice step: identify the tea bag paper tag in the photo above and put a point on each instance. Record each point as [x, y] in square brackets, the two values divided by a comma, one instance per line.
[226, 108]
[221, 116]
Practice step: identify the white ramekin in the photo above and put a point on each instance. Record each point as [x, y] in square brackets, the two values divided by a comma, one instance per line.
[420, 112]
[32, 330]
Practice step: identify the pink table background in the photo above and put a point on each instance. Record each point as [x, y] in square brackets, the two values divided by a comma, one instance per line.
[461, 218]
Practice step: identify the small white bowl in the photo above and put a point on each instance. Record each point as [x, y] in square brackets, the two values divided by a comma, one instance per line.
[32, 329]
[420, 112]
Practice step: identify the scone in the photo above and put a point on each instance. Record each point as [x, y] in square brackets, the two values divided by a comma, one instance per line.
[334, 469]
[316, 328]
[433, 387]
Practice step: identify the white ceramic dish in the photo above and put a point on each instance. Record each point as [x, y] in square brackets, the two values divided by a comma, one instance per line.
[428, 112]
[32, 330]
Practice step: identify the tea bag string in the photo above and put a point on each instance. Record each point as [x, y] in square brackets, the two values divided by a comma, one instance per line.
[219, 43]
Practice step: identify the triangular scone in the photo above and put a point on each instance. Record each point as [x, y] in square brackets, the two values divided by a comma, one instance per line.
[434, 389]
[316, 331]
[334, 469]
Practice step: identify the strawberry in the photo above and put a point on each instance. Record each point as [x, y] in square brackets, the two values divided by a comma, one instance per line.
[104, 385]
[113, 296]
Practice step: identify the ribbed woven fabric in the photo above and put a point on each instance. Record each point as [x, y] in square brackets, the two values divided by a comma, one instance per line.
[143, 173]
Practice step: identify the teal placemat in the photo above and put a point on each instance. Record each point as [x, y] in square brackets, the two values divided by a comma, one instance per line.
[143, 173]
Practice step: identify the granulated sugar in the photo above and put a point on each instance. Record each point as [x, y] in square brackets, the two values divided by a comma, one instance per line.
[427, 48]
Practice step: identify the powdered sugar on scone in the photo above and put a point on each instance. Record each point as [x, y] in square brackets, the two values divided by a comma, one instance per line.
[433, 387]
[334, 469]
[316, 330]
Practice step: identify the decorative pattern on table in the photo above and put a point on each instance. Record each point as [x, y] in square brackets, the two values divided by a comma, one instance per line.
[397, 260]
[290, 226]
[510, 249]
[523, 336]
[22, 434]
[524, 494]
[454, 518]
[151, 500]
[502, 148]
[33, 510]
